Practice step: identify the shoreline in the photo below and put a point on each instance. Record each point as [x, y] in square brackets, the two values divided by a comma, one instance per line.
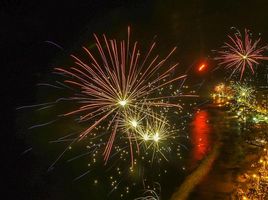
[197, 175]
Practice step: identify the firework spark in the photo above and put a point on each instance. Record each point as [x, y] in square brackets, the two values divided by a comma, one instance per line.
[117, 81]
[241, 52]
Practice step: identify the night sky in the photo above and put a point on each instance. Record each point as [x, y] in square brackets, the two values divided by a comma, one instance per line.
[196, 27]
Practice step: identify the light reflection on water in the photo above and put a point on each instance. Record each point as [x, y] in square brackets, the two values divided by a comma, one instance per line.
[200, 135]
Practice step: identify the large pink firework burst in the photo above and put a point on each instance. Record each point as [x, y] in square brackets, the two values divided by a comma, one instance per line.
[241, 52]
[115, 82]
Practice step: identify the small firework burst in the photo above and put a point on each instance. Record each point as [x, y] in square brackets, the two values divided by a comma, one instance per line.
[243, 101]
[241, 52]
[243, 93]
[156, 136]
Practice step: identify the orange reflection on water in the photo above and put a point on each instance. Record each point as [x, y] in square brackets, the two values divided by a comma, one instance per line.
[200, 135]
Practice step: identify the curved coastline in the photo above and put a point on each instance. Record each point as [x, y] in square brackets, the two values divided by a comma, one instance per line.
[197, 176]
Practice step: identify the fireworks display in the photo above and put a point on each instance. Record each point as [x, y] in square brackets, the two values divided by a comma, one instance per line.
[143, 100]
[125, 103]
[122, 86]
[129, 121]
[241, 53]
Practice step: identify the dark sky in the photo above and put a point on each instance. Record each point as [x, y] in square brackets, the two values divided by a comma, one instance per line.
[195, 26]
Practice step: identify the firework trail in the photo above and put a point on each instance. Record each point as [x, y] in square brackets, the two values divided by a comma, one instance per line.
[151, 194]
[241, 52]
